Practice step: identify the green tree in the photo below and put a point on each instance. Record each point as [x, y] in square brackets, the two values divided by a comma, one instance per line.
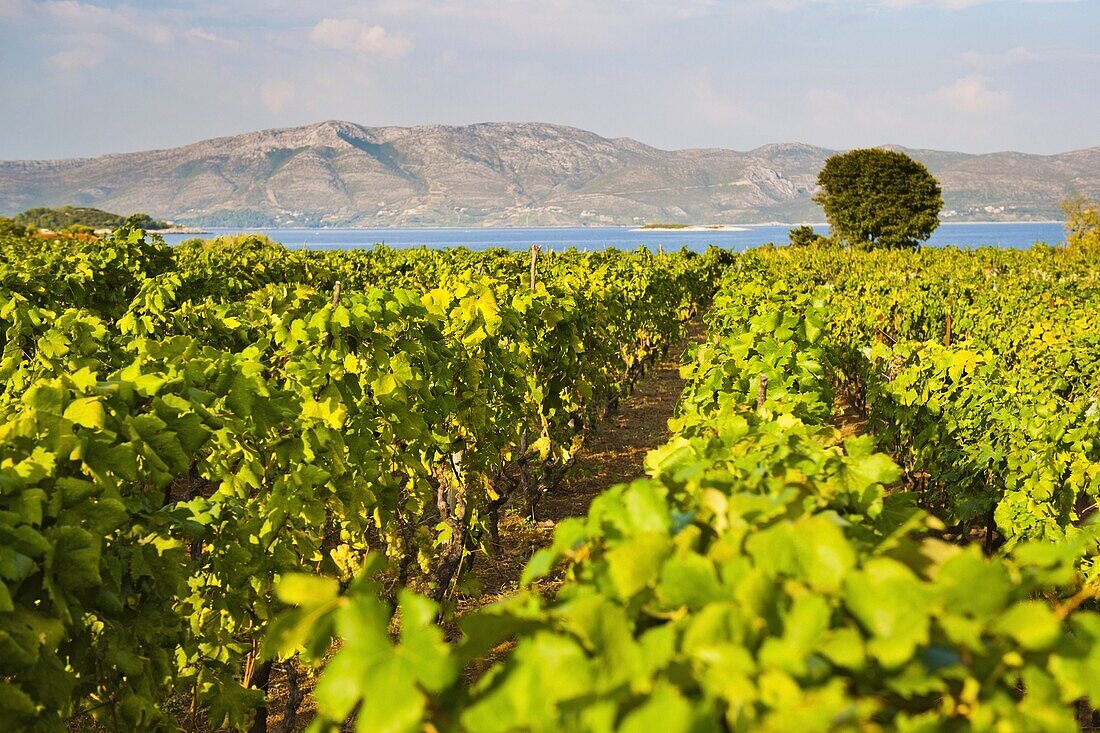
[144, 221]
[879, 198]
[805, 236]
[10, 228]
[42, 217]
[1082, 223]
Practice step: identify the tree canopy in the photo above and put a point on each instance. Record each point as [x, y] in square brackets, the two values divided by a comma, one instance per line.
[9, 228]
[1082, 223]
[805, 236]
[65, 217]
[879, 198]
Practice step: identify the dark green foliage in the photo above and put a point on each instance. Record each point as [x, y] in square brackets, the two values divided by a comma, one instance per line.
[242, 218]
[67, 217]
[144, 221]
[805, 236]
[10, 228]
[879, 198]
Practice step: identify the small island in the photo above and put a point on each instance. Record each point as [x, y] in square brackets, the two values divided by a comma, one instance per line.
[81, 219]
[676, 227]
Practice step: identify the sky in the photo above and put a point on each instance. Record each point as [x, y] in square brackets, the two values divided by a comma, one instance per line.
[87, 78]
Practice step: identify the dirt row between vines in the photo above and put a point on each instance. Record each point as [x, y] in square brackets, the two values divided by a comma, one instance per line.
[614, 453]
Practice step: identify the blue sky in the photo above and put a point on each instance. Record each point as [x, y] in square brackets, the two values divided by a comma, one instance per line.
[84, 78]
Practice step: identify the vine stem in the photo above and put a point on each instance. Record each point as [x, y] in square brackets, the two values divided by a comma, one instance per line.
[1088, 591]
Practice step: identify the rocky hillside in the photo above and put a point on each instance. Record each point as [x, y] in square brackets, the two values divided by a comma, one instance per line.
[340, 173]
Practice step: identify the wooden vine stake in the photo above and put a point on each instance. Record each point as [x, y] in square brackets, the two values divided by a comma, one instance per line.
[762, 391]
[295, 696]
[947, 338]
[534, 264]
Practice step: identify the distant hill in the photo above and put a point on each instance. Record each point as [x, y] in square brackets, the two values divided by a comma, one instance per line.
[42, 217]
[340, 173]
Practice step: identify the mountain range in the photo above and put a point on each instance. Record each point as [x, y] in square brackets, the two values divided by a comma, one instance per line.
[507, 174]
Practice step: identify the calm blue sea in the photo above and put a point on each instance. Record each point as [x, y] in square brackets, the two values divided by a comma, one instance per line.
[1012, 236]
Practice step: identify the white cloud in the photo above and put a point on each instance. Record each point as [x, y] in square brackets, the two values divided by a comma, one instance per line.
[971, 95]
[529, 25]
[277, 94]
[734, 73]
[80, 57]
[87, 17]
[354, 35]
[88, 34]
[199, 34]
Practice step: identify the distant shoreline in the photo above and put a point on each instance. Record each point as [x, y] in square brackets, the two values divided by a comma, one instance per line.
[1001, 223]
[633, 228]
[182, 230]
[693, 228]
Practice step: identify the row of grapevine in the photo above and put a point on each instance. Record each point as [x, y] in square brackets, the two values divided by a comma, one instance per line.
[977, 369]
[765, 577]
[173, 442]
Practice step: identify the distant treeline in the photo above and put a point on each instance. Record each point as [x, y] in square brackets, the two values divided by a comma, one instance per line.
[243, 218]
[81, 218]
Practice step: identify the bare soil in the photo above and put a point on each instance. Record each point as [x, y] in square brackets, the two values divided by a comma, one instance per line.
[847, 418]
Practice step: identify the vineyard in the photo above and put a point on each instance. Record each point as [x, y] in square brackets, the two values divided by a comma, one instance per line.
[227, 459]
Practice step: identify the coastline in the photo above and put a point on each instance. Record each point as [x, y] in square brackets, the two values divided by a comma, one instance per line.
[696, 228]
[999, 223]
